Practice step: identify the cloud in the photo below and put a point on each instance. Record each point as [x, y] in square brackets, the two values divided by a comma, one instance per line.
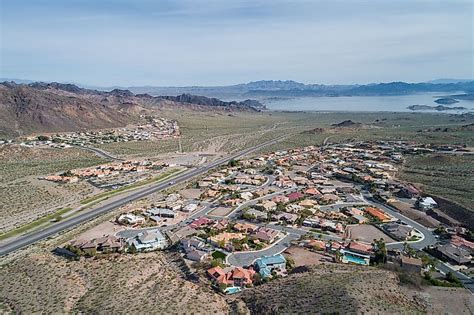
[186, 42]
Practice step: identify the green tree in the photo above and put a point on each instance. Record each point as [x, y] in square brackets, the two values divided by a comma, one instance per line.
[43, 138]
[380, 251]
[233, 163]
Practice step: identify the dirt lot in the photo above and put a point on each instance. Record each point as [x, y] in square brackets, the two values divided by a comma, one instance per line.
[367, 233]
[191, 193]
[333, 288]
[103, 229]
[144, 283]
[220, 211]
[24, 197]
[414, 214]
[304, 257]
[449, 300]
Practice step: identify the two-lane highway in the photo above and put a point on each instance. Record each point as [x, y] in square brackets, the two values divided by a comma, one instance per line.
[31, 238]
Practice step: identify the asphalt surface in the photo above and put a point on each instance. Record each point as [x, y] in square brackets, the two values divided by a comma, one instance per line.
[31, 238]
[429, 238]
[98, 152]
[247, 258]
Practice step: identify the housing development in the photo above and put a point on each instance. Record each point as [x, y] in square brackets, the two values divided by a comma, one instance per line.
[256, 219]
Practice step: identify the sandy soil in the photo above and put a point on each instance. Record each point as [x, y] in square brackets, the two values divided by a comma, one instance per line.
[220, 211]
[304, 257]
[448, 300]
[191, 193]
[367, 233]
[415, 215]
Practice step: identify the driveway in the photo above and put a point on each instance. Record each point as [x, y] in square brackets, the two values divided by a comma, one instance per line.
[247, 258]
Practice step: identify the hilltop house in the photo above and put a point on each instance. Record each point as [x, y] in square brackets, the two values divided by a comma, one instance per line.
[399, 232]
[268, 264]
[426, 203]
[130, 218]
[238, 276]
[148, 240]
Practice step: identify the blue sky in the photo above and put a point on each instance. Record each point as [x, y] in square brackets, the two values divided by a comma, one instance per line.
[210, 42]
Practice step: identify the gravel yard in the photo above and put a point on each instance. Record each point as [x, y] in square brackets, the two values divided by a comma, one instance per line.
[304, 257]
[367, 233]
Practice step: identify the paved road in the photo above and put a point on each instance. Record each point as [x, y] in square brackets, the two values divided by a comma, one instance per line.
[69, 223]
[247, 258]
[99, 152]
[429, 238]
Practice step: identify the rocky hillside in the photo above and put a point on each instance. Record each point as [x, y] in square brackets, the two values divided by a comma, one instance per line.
[332, 289]
[26, 109]
[53, 107]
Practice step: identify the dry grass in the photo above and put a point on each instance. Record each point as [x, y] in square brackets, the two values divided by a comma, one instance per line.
[24, 197]
[146, 283]
[333, 288]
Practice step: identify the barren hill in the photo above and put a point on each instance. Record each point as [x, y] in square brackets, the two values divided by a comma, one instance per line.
[53, 107]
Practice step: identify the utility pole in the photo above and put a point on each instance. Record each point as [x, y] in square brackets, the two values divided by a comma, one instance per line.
[180, 146]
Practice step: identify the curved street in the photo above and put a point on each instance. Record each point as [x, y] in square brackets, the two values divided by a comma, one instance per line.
[33, 237]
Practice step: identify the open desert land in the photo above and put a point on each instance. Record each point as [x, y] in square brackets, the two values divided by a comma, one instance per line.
[153, 282]
[219, 132]
[446, 176]
[226, 132]
[24, 197]
[332, 288]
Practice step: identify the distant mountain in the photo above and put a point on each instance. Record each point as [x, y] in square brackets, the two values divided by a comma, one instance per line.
[446, 81]
[268, 89]
[203, 100]
[438, 108]
[265, 89]
[53, 107]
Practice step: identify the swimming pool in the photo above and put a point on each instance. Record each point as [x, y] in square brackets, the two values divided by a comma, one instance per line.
[232, 290]
[355, 260]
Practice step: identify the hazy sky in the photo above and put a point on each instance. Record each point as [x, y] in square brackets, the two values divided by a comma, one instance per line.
[192, 42]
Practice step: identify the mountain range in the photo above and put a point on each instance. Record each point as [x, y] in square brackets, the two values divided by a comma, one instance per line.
[53, 107]
[270, 88]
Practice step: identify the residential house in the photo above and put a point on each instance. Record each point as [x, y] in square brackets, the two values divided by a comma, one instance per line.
[245, 227]
[307, 203]
[239, 277]
[411, 264]
[201, 222]
[268, 264]
[221, 224]
[256, 214]
[454, 254]
[287, 217]
[148, 240]
[426, 203]
[399, 232]
[160, 213]
[225, 239]
[408, 192]
[265, 234]
[130, 218]
[329, 198]
[190, 207]
[313, 192]
[295, 196]
[312, 222]
[106, 244]
[280, 199]
[268, 205]
[314, 244]
[197, 255]
[378, 214]
[246, 195]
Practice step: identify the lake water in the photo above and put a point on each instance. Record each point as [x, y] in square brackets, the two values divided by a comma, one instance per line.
[364, 103]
